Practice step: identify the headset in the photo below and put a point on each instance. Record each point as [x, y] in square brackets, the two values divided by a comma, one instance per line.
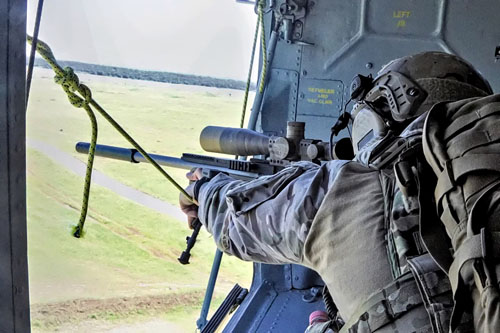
[383, 103]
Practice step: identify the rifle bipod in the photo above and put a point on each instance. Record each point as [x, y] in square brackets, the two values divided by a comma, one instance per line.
[190, 240]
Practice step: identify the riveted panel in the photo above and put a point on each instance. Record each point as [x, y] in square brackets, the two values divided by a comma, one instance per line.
[280, 101]
[320, 97]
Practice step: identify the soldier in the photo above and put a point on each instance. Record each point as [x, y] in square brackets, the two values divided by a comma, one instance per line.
[381, 229]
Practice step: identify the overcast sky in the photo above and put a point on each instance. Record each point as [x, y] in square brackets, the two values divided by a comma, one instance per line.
[205, 37]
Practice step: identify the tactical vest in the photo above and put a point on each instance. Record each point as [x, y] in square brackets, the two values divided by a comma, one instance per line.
[418, 280]
[461, 141]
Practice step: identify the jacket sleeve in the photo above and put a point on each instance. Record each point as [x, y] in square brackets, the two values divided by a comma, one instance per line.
[266, 219]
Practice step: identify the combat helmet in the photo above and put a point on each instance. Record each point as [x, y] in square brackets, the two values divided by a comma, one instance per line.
[408, 87]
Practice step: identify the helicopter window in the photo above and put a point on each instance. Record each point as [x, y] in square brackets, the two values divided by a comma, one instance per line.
[163, 71]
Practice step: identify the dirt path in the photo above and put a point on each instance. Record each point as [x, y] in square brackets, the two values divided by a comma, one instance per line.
[80, 314]
[78, 167]
[119, 314]
[149, 326]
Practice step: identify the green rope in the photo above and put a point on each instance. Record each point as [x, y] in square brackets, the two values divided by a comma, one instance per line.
[71, 84]
[249, 78]
[263, 46]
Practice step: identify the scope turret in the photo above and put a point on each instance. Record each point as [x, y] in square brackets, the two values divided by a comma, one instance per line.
[234, 141]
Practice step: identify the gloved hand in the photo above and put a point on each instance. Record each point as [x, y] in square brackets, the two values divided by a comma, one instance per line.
[187, 207]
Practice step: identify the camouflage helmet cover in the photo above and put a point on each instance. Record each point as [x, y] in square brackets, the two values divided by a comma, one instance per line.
[443, 76]
[438, 65]
[410, 86]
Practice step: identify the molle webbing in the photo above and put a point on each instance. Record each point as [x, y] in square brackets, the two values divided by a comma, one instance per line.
[385, 306]
[479, 138]
[467, 119]
[475, 247]
[459, 167]
[435, 289]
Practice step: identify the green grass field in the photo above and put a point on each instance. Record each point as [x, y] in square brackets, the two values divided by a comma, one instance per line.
[164, 118]
[129, 250]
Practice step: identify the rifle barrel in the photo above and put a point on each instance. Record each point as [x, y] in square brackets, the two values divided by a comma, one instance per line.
[133, 156]
[188, 162]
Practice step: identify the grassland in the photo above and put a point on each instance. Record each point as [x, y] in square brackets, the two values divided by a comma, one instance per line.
[129, 252]
[164, 118]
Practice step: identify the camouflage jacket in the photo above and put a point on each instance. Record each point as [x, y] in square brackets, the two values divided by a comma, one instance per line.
[330, 218]
[345, 220]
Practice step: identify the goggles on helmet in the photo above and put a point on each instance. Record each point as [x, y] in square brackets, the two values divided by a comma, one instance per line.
[390, 98]
[403, 96]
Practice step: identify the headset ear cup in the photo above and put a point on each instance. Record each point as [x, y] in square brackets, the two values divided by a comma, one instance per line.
[367, 126]
[342, 149]
[360, 85]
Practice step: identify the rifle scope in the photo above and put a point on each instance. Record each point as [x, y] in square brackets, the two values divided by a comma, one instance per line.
[234, 141]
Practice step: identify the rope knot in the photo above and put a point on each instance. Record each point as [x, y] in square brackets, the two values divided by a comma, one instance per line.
[71, 84]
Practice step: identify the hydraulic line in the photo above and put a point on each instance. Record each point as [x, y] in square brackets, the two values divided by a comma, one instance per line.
[257, 102]
[31, 63]
[202, 320]
[263, 72]
[249, 78]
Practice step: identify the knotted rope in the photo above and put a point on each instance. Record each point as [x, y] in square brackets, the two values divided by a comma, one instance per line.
[71, 85]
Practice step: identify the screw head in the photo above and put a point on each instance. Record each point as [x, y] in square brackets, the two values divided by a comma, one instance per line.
[412, 92]
[369, 65]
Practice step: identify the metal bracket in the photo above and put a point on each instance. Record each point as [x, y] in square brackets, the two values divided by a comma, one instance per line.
[292, 13]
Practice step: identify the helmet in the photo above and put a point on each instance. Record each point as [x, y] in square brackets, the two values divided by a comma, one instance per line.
[408, 87]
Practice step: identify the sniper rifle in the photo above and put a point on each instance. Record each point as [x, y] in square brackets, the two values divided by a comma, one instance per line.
[271, 154]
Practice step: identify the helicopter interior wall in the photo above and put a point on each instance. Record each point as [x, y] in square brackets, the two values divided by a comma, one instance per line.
[282, 86]
[339, 39]
[336, 40]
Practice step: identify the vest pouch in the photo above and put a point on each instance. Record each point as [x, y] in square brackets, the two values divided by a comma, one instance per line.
[461, 142]
[476, 265]
[436, 293]
[398, 307]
